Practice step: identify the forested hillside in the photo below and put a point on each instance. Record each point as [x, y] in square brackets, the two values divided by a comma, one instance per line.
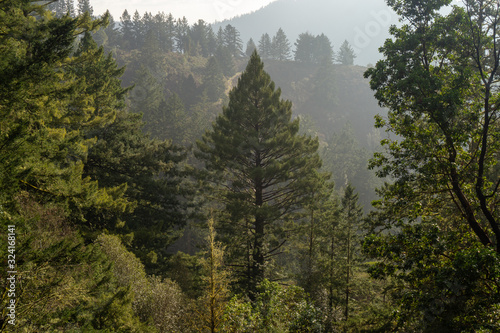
[363, 23]
[163, 176]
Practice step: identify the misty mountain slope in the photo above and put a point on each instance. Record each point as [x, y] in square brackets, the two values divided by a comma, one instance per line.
[364, 23]
[352, 103]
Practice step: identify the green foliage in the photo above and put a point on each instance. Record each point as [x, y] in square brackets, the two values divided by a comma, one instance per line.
[155, 176]
[276, 309]
[231, 41]
[441, 213]
[348, 161]
[254, 147]
[62, 283]
[265, 46]
[154, 300]
[187, 271]
[313, 49]
[346, 54]
[443, 283]
[280, 46]
[216, 281]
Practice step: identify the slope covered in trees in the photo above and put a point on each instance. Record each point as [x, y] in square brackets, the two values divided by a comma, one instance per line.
[207, 188]
[363, 23]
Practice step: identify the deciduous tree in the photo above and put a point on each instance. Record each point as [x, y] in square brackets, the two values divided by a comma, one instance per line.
[439, 81]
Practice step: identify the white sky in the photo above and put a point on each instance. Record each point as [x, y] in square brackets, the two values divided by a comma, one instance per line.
[208, 10]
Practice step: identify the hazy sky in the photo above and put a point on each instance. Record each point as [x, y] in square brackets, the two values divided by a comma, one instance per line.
[208, 10]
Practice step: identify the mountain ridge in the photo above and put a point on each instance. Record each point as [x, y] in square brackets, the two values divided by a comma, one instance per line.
[366, 30]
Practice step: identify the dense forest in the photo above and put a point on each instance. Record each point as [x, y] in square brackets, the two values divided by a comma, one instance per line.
[158, 176]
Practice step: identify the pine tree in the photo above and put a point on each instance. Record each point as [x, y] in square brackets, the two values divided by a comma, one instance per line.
[62, 7]
[280, 46]
[346, 54]
[41, 150]
[168, 40]
[127, 30]
[211, 41]
[304, 47]
[85, 7]
[220, 37]
[100, 93]
[182, 35]
[199, 36]
[138, 30]
[232, 40]
[265, 46]
[323, 51]
[268, 168]
[112, 32]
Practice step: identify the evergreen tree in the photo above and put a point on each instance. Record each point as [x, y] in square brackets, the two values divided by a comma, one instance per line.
[323, 51]
[84, 6]
[232, 41]
[251, 47]
[182, 35]
[154, 176]
[41, 147]
[100, 93]
[148, 24]
[199, 36]
[47, 108]
[167, 40]
[351, 217]
[127, 30]
[310, 49]
[346, 54]
[62, 7]
[211, 41]
[280, 46]
[318, 226]
[304, 48]
[57, 264]
[138, 30]
[220, 37]
[265, 46]
[112, 32]
[262, 170]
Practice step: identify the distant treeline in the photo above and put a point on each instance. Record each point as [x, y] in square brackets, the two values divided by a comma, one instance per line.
[177, 35]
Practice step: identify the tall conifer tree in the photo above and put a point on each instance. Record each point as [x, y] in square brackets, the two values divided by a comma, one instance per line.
[263, 171]
[265, 46]
[280, 46]
[346, 54]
